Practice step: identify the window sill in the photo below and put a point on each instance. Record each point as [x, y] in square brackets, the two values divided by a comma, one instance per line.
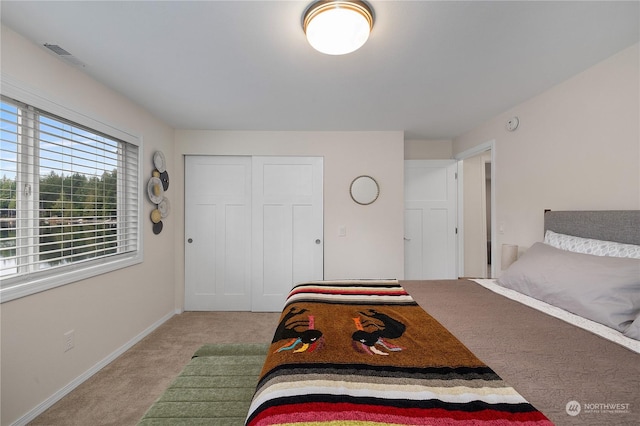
[26, 286]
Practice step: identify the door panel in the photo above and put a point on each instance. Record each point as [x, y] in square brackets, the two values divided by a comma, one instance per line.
[218, 224]
[413, 243]
[430, 219]
[304, 246]
[276, 252]
[204, 248]
[235, 245]
[287, 221]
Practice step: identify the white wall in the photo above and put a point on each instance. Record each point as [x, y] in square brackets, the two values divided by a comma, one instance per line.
[430, 149]
[577, 148]
[373, 246]
[109, 311]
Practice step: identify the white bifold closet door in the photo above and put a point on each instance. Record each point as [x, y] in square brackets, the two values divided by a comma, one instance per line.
[253, 228]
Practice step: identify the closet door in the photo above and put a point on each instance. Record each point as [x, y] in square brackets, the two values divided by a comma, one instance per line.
[287, 229]
[218, 233]
[253, 228]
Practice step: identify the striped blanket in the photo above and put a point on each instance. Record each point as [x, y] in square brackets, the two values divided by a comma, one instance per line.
[364, 353]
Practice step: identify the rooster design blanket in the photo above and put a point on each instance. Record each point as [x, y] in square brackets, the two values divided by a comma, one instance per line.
[364, 353]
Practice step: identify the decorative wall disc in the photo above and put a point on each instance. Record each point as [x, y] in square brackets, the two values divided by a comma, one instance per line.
[157, 228]
[156, 216]
[159, 161]
[164, 207]
[155, 191]
[164, 177]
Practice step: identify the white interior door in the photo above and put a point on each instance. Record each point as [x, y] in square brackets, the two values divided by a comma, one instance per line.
[287, 215]
[430, 219]
[218, 233]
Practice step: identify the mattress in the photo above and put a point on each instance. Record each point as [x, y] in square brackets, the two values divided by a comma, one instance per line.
[573, 375]
[584, 323]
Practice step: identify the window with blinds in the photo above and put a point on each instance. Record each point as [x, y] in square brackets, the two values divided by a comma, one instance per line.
[68, 199]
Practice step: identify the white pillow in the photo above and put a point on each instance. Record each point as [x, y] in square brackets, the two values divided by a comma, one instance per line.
[591, 246]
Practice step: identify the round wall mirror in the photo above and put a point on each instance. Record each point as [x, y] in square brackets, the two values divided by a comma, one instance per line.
[364, 190]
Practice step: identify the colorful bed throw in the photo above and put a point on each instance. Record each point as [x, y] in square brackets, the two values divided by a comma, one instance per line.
[362, 352]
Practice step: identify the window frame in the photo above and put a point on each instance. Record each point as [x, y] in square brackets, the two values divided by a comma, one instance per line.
[35, 282]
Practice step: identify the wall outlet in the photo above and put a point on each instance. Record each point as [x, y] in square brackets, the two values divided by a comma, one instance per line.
[69, 340]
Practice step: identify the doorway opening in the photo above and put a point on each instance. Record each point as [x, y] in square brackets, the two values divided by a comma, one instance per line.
[476, 211]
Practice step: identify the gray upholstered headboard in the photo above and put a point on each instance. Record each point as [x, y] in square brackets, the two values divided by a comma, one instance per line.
[622, 226]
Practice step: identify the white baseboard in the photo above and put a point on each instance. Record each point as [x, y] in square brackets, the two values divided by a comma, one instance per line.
[40, 408]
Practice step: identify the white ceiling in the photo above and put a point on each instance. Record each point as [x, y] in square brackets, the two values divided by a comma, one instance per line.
[434, 69]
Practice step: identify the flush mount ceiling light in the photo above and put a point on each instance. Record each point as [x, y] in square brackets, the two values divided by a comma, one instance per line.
[337, 27]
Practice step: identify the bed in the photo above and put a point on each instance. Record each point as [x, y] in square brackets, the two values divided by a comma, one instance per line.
[455, 351]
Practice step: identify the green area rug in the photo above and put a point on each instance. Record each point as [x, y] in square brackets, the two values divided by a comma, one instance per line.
[215, 388]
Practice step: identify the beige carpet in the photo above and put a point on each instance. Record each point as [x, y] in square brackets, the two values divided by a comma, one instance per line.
[124, 390]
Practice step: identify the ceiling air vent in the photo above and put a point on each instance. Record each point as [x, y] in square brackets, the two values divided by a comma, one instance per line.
[64, 55]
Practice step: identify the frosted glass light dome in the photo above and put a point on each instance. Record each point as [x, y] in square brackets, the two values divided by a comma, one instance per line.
[338, 27]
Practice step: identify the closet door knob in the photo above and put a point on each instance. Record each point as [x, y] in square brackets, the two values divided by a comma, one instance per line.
[318, 241]
[190, 240]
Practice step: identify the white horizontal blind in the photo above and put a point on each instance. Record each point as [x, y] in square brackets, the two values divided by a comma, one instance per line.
[68, 194]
